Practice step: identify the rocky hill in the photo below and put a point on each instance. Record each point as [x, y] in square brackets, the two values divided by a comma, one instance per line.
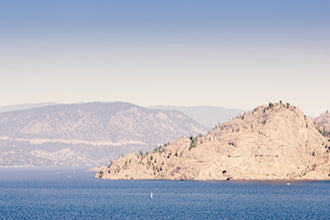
[272, 142]
[86, 134]
[323, 123]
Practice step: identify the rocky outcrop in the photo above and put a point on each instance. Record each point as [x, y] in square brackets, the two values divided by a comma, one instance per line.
[272, 142]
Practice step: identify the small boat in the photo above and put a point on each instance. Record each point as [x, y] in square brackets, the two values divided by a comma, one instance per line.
[151, 195]
[288, 184]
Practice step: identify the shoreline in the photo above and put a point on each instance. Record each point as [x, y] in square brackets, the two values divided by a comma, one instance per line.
[89, 170]
[236, 180]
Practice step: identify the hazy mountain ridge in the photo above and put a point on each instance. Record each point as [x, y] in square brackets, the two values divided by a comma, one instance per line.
[8, 108]
[113, 122]
[104, 127]
[208, 116]
[274, 141]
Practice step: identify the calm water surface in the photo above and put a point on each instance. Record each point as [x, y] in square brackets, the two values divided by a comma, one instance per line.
[57, 193]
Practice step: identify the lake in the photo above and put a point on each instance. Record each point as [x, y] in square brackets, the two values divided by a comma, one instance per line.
[57, 193]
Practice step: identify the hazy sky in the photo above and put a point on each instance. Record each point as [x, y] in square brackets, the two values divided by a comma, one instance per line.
[233, 53]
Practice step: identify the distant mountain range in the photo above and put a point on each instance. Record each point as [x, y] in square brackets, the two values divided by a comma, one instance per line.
[8, 108]
[87, 134]
[208, 116]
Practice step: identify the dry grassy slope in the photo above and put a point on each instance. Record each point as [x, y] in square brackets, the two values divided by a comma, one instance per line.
[271, 142]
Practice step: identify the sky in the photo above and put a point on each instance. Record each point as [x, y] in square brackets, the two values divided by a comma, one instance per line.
[236, 54]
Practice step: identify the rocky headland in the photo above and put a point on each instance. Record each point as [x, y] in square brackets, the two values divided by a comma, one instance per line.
[272, 142]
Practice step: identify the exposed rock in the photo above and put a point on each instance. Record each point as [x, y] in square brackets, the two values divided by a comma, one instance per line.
[272, 142]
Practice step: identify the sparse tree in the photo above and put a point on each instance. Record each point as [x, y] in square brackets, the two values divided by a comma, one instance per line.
[193, 142]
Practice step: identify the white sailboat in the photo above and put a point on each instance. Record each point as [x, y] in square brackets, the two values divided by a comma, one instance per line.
[151, 195]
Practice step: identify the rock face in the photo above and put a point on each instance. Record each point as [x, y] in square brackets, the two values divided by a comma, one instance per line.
[274, 141]
[323, 123]
[86, 134]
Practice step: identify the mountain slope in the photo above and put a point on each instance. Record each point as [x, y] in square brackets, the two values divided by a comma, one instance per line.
[323, 123]
[208, 116]
[271, 142]
[86, 134]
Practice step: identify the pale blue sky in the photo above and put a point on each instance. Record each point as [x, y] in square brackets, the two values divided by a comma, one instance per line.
[236, 54]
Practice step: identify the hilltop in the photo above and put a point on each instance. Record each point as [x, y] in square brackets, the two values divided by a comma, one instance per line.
[88, 134]
[272, 142]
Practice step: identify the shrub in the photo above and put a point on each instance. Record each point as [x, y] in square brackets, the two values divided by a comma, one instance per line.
[193, 142]
[313, 167]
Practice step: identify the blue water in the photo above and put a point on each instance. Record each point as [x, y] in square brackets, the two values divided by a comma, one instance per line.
[75, 194]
